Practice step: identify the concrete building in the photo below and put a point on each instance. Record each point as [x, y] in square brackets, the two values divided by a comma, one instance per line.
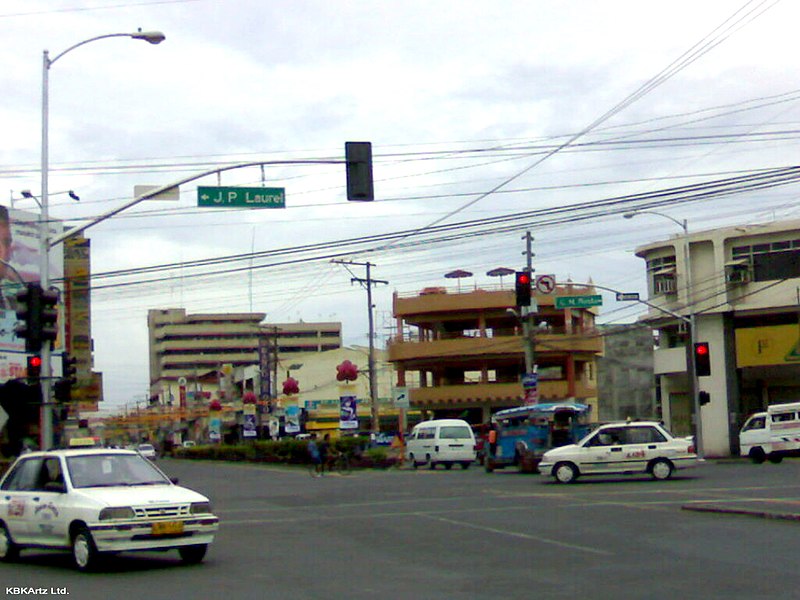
[742, 285]
[205, 349]
[463, 353]
[625, 383]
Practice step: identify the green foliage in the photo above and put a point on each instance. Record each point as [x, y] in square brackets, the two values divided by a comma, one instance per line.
[287, 451]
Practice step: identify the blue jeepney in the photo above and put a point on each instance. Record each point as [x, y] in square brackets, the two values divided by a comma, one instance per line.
[524, 433]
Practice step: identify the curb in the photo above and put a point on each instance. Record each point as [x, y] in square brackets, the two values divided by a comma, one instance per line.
[761, 514]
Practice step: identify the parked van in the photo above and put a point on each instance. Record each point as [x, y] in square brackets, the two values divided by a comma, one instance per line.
[773, 434]
[441, 441]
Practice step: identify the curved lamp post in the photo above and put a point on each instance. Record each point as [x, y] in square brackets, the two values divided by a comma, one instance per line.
[153, 37]
[692, 321]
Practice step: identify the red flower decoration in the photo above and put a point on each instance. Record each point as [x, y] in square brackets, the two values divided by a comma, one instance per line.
[215, 405]
[291, 386]
[346, 371]
[249, 398]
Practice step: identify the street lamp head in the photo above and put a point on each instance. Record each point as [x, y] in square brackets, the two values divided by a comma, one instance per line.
[26, 194]
[629, 215]
[154, 37]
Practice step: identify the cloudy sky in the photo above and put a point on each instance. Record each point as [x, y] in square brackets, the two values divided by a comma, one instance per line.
[485, 118]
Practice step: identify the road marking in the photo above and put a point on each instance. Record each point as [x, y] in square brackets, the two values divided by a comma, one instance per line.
[517, 534]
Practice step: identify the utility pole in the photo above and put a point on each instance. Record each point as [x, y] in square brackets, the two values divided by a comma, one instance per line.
[526, 312]
[373, 378]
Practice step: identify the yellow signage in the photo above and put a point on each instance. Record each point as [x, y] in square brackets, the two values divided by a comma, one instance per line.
[774, 345]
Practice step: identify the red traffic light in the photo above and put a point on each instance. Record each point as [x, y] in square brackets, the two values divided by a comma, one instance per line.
[523, 278]
[35, 362]
[701, 349]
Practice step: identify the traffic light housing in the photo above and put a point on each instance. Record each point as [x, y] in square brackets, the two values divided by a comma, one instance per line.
[702, 359]
[34, 368]
[703, 398]
[522, 286]
[358, 156]
[37, 316]
[69, 369]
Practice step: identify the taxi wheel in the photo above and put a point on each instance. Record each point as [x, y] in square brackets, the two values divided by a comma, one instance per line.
[465, 465]
[774, 458]
[9, 551]
[565, 472]
[661, 469]
[84, 552]
[448, 465]
[192, 555]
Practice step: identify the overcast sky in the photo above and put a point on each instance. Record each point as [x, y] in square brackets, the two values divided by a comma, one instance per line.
[475, 110]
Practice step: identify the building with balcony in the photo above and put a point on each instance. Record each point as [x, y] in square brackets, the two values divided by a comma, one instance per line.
[742, 285]
[463, 353]
[204, 349]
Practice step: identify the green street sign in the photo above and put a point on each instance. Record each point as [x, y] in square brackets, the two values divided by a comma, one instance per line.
[241, 197]
[578, 301]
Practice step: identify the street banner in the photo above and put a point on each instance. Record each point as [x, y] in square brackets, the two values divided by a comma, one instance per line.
[249, 429]
[348, 416]
[292, 424]
[215, 427]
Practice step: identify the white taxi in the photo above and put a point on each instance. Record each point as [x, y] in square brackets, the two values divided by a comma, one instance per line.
[626, 448]
[99, 500]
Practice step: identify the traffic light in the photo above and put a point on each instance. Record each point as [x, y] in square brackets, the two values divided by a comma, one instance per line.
[34, 368]
[358, 156]
[48, 315]
[69, 369]
[28, 325]
[703, 398]
[37, 316]
[523, 288]
[62, 390]
[702, 359]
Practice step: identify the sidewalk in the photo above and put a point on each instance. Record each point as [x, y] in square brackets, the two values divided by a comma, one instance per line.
[765, 508]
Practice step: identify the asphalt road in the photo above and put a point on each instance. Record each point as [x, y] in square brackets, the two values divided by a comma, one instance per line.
[459, 535]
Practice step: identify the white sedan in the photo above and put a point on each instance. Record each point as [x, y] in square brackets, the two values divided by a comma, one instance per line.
[99, 500]
[626, 448]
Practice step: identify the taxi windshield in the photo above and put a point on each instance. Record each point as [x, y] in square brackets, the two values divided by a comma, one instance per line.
[109, 470]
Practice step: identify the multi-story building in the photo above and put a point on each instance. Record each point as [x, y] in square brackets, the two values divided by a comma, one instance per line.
[740, 284]
[197, 348]
[463, 353]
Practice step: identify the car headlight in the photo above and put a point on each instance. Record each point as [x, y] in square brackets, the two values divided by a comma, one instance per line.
[200, 508]
[117, 512]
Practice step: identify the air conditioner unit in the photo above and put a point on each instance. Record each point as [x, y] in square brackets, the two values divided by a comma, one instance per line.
[737, 274]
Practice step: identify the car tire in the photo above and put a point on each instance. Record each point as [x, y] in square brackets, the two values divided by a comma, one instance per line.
[757, 455]
[565, 472]
[774, 458]
[465, 465]
[414, 462]
[192, 555]
[84, 552]
[661, 469]
[9, 551]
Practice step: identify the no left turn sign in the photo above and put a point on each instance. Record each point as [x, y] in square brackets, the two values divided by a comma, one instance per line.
[545, 284]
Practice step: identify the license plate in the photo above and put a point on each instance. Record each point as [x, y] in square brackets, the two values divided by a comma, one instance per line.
[167, 527]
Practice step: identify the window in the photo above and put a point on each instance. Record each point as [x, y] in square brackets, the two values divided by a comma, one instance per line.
[643, 435]
[454, 432]
[426, 433]
[771, 260]
[25, 476]
[756, 423]
[783, 417]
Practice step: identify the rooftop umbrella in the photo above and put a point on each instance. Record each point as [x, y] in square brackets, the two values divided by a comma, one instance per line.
[458, 274]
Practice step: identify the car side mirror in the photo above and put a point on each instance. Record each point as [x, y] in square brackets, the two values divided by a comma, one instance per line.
[174, 480]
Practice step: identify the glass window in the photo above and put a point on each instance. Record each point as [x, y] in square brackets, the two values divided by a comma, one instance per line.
[783, 417]
[454, 432]
[756, 423]
[643, 435]
[25, 476]
[100, 470]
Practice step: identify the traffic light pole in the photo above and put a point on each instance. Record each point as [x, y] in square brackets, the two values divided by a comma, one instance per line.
[526, 312]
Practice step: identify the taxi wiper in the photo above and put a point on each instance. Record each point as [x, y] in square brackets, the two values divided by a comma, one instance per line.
[149, 483]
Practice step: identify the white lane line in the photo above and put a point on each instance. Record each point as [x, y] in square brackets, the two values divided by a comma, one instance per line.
[518, 534]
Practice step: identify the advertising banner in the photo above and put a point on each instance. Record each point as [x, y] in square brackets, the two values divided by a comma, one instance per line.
[249, 428]
[348, 416]
[292, 424]
[772, 345]
[20, 264]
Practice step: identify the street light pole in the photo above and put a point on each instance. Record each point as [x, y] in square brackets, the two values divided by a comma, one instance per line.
[46, 414]
[691, 372]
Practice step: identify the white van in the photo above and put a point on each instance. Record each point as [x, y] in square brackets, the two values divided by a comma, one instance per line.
[441, 441]
[773, 434]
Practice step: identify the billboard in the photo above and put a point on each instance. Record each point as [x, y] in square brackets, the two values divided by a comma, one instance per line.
[20, 264]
